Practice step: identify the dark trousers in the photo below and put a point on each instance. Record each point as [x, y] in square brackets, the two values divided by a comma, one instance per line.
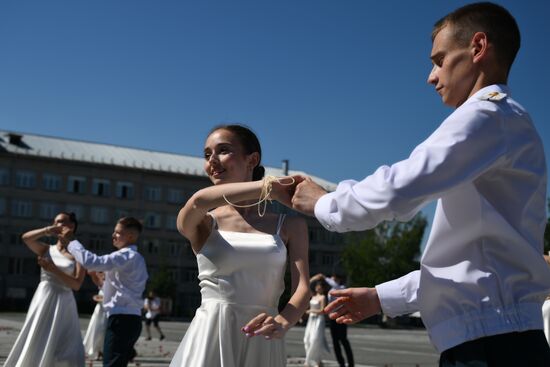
[339, 333]
[122, 333]
[528, 348]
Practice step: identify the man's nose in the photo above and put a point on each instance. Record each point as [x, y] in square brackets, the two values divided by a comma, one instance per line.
[432, 77]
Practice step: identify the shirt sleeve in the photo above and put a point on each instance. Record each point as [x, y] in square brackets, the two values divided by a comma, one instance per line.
[91, 261]
[399, 296]
[331, 282]
[465, 145]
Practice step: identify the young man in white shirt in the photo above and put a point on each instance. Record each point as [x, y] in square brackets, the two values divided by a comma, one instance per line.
[482, 279]
[125, 278]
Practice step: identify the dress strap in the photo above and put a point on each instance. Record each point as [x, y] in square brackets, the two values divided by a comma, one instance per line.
[280, 223]
[214, 221]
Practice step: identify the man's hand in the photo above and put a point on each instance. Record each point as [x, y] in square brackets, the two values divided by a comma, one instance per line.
[306, 195]
[353, 305]
[283, 188]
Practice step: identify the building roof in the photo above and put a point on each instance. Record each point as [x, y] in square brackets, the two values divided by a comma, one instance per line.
[98, 153]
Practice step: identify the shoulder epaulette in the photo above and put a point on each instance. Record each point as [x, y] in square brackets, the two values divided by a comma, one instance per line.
[492, 96]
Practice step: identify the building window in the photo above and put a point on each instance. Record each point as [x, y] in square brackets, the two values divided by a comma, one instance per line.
[78, 211]
[174, 248]
[51, 182]
[125, 190]
[76, 185]
[49, 210]
[21, 208]
[121, 213]
[189, 275]
[4, 177]
[15, 237]
[97, 242]
[15, 265]
[153, 193]
[99, 215]
[152, 220]
[152, 246]
[176, 196]
[25, 179]
[171, 221]
[101, 187]
[327, 259]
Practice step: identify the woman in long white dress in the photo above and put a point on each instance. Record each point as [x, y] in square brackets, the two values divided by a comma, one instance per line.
[50, 335]
[315, 341]
[95, 333]
[241, 256]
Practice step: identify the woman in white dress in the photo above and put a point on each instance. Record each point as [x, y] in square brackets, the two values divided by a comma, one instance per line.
[95, 334]
[50, 335]
[241, 256]
[315, 341]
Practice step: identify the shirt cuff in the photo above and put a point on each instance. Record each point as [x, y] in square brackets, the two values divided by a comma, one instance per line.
[322, 211]
[398, 296]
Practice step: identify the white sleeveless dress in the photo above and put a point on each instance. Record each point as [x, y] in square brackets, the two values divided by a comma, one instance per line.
[95, 334]
[241, 275]
[315, 341]
[51, 334]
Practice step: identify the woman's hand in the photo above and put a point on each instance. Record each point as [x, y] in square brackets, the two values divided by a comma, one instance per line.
[282, 189]
[268, 326]
[65, 236]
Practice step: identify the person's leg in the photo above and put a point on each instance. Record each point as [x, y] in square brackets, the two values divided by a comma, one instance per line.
[156, 323]
[528, 348]
[148, 328]
[125, 330]
[335, 334]
[108, 342]
[345, 343]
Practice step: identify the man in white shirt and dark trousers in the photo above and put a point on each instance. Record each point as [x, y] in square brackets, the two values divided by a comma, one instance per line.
[338, 331]
[482, 277]
[125, 278]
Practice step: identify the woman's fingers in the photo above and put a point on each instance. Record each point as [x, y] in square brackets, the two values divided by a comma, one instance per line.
[253, 324]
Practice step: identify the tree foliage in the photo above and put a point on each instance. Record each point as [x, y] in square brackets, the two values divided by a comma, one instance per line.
[387, 252]
[161, 282]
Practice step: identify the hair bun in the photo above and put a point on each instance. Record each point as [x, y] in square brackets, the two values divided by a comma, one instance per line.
[258, 173]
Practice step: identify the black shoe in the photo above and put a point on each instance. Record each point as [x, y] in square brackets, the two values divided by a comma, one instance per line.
[161, 337]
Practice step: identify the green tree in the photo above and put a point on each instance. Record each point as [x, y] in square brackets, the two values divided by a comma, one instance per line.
[387, 252]
[161, 282]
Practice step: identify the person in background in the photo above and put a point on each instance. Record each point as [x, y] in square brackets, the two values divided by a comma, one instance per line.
[125, 278]
[152, 305]
[338, 331]
[50, 335]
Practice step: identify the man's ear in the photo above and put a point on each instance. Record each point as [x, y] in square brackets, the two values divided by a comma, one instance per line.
[479, 46]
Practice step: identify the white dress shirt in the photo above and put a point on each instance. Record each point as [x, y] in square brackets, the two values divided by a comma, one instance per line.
[125, 277]
[482, 272]
[334, 286]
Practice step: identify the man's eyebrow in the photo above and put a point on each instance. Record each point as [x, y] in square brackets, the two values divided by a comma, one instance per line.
[436, 55]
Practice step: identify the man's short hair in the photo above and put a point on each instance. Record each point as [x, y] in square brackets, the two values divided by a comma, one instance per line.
[495, 21]
[131, 223]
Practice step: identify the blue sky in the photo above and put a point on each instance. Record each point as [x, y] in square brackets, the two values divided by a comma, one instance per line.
[336, 87]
